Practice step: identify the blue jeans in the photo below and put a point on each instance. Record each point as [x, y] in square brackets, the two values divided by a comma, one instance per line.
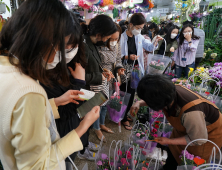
[101, 120]
[186, 69]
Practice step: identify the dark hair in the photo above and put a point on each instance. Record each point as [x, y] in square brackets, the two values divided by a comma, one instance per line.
[145, 30]
[33, 32]
[157, 91]
[153, 25]
[75, 39]
[137, 19]
[163, 31]
[182, 38]
[168, 35]
[169, 25]
[119, 29]
[188, 22]
[101, 24]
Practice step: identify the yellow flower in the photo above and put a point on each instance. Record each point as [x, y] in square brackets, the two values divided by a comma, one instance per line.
[191, 69]
[201, 69]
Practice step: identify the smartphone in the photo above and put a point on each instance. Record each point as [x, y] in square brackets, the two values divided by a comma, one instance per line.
[96, 100]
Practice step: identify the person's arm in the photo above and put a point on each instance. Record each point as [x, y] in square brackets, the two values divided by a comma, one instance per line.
[54, 108]
[194, 129]
[193, 45]
[174, 141]
[31, 137]
[175, 45]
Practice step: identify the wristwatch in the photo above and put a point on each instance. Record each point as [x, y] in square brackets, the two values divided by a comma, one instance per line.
[190, 42]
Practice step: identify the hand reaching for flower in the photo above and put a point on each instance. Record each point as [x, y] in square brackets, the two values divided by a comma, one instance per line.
[163, 140]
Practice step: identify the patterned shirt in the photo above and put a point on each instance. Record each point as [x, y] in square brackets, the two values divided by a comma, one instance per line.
[111, 59]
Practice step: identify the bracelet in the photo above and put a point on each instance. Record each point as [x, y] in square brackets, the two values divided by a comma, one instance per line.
[190, 42]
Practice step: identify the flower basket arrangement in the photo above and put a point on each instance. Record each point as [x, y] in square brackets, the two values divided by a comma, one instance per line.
[117, 106]
[139, 137]
[136, 76]
[157, 64]
[191, 161]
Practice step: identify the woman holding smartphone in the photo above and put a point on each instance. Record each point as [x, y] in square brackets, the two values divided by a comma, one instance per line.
[97, 34]
[29, 43]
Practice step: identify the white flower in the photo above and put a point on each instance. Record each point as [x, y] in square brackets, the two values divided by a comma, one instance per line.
[204, 55]
[213, 55]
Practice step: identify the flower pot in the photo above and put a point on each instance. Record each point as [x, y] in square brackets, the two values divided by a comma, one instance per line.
[114, 115]
[2, 8]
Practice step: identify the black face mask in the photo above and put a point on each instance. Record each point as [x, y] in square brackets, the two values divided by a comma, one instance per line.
[101, 43]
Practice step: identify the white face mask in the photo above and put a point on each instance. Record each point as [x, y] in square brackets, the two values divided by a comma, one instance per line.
[113, 43]
[53, 64]
[173, 36]
[187, 33]
[70, 55]
[136, 32]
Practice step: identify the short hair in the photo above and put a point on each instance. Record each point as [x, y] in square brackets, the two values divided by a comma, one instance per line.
[137, 19]
[158, 91]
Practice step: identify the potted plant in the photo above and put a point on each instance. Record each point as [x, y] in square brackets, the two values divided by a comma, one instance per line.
[3, 7]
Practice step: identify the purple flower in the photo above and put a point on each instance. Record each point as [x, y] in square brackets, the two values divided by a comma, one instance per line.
[198, 157]
[104, 156]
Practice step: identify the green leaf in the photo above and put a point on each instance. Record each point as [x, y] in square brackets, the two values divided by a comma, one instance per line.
[8, 8]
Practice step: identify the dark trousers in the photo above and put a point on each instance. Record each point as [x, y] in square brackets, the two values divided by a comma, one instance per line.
[197, 62]
[171, 163]
[132, 92]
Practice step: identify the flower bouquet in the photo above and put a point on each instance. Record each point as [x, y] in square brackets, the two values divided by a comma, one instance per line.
[156, 115]
[125, 155]
[167, 130]
[157, 64]
[136, 76]
[139, 137]
[117, 106]
[191, 161]
[153, 134]
[143, 113]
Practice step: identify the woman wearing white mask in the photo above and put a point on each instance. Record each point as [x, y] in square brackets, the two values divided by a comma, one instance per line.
[30, 40]
[171, 40]
[132, 45]
[184, 56]
[110, 60]
[69, 119]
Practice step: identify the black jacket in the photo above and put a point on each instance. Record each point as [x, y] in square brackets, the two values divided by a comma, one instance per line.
[93, 68]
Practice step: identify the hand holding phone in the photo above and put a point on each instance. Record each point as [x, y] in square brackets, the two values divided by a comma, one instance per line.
[96, 100]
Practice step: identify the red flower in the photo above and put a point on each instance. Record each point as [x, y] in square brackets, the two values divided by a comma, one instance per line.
[147, 164]
[154, 131]
[157, 126]
[157, 122]
[120, 102]
[207, 93]
[158, 61]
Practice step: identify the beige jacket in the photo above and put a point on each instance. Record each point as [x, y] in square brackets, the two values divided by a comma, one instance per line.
[25, 139]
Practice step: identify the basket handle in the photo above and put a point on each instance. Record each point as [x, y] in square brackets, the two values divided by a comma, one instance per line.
[199, 140]
[165, 47]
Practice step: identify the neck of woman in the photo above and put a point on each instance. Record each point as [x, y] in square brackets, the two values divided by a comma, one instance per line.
[129, 33]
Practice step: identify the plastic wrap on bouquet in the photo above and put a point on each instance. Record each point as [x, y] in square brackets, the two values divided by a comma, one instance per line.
[140, 141]
[150, 146]
[156, 116]
[157, 64]
[117, 105]
[136, 76]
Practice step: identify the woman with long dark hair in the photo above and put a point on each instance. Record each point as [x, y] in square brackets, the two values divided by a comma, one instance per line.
[97, 34]
[32, 41]
[76, 62]
[132, 45]
[184, 56]
[171, 41]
